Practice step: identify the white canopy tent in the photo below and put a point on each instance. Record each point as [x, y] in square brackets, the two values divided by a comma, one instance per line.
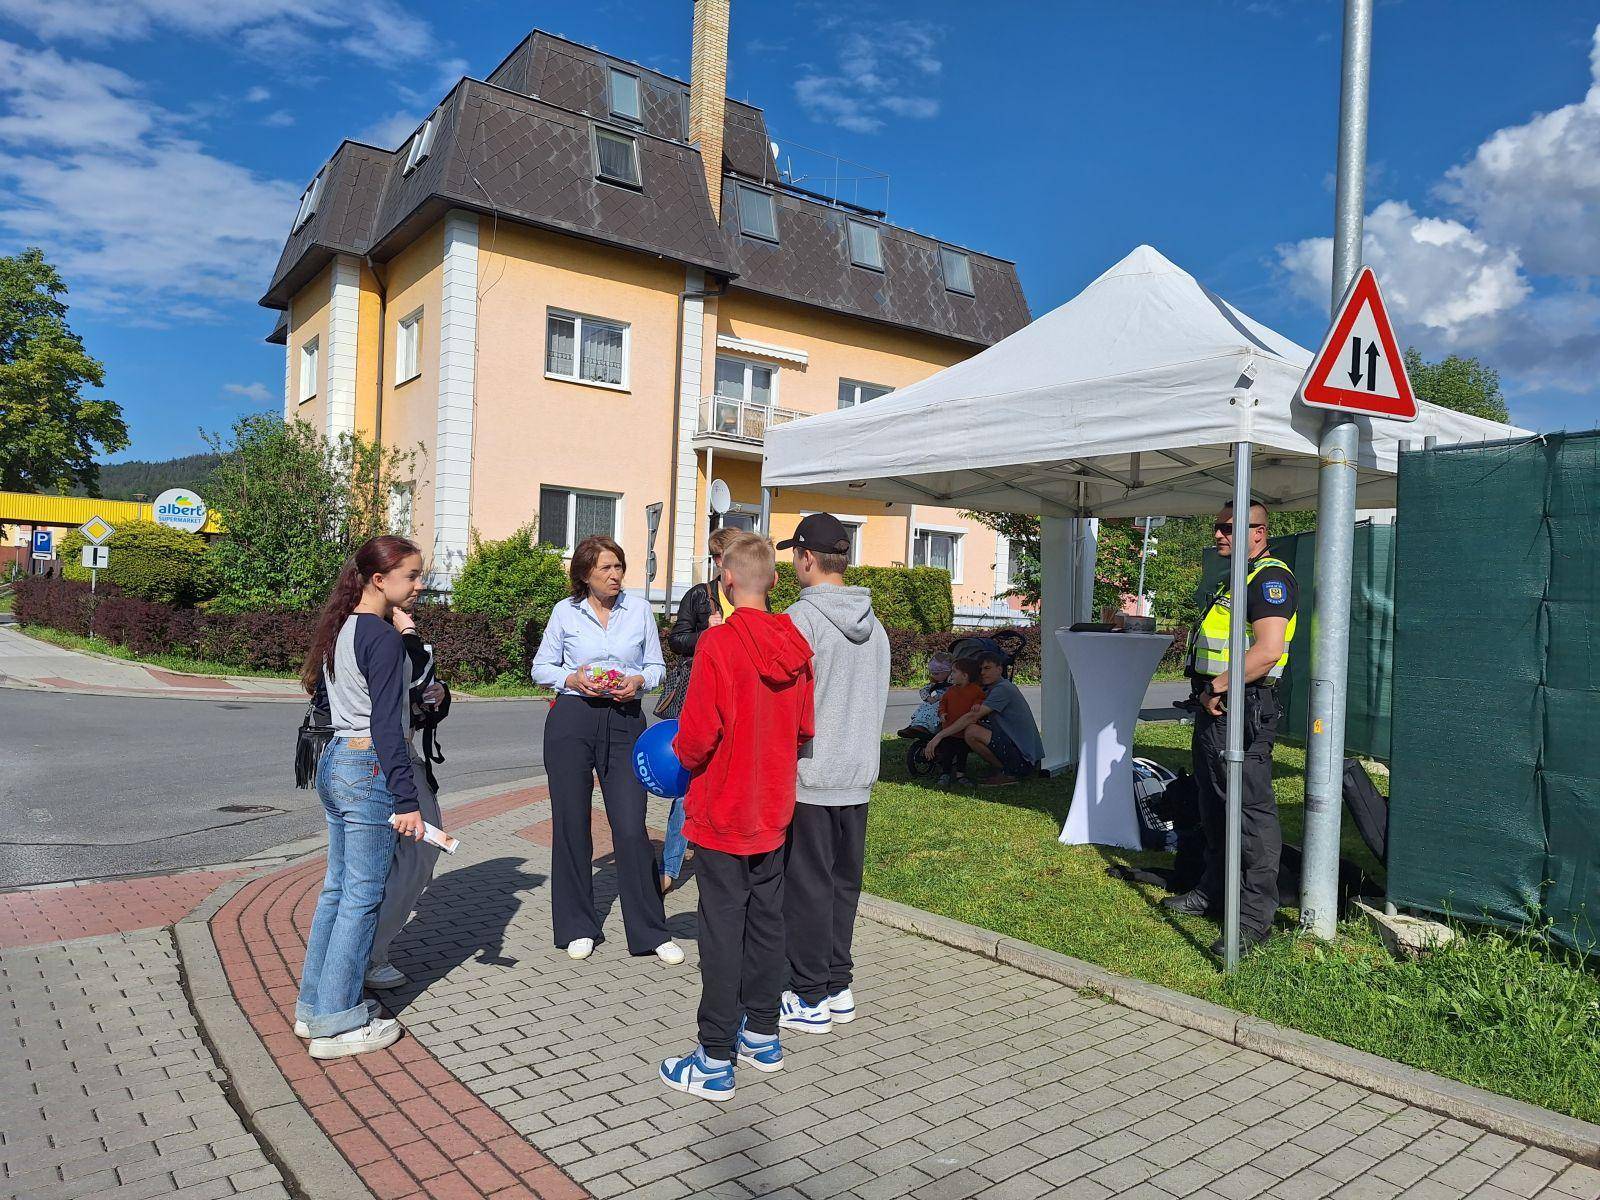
[1125, 401]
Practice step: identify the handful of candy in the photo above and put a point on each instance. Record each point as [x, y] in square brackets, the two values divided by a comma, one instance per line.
[604, 676]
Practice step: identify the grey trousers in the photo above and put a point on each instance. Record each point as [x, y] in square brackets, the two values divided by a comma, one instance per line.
[409, 873]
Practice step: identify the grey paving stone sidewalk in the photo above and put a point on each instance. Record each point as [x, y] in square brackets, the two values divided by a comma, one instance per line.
[109, 1090]
[961, 1078]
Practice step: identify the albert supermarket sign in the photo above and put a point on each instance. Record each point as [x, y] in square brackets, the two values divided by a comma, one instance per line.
[180, 509]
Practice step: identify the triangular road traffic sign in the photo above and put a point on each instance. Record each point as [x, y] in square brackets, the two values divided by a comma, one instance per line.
[1359, 368]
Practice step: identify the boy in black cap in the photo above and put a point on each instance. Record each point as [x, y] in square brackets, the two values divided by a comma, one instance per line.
[827, 840]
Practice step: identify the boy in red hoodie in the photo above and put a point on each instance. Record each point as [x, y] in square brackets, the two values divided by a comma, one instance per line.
[746, 715]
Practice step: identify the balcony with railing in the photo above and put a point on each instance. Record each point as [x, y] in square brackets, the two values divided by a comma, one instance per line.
[730, 419]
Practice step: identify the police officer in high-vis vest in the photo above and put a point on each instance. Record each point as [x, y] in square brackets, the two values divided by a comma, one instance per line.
[1271, 600]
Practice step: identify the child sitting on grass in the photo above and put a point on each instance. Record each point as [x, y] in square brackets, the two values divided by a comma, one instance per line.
[926, 718]
[960, 698]
[747, 714]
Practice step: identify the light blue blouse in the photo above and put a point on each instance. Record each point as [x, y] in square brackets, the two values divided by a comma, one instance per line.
[574, 637]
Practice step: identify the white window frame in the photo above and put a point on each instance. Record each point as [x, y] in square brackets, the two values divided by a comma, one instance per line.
[572, 511]
[748, 397]
[577, 320]
[741, 191]
[402, 499]
[310, 368]
[957, 553]
[308, 201]
[945, 254]
[611, 95]
[850, 246]
[855, 525]
[420, 147]
[855, 385]
[408, 348]
[635, 184]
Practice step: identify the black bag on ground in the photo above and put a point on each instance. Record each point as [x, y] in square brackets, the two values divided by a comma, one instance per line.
[1368, 809]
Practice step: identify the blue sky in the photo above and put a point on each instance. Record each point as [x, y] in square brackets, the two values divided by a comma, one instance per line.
[156, 150]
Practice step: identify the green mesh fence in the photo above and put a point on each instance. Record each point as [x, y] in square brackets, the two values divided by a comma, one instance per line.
[1367, 710]
[1495, 792]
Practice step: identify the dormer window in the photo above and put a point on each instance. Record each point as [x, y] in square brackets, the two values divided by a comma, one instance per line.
[757, 214]
[616, 157]
[624, 95]
[421, 146]
[308, 202]
[957, 270]
[865, 249]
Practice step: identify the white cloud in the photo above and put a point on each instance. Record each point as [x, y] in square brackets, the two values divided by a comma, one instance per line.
[257, 95]
[381, 30]
[1510, 270]
[280, 118]
[391, 130]
[142, 220]
[875, 76]
[256, 393]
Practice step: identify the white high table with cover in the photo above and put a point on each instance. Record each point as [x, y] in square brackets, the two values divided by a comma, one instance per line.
[1110, 673]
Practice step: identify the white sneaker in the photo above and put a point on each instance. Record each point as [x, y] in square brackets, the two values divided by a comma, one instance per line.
[841, 1006]
[670, 953]
[580, 947]
[385, 976]
[303, 1031]
[794, 1013]
[374, 1035]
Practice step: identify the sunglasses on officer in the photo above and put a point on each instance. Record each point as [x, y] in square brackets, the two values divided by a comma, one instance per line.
[1226, 527]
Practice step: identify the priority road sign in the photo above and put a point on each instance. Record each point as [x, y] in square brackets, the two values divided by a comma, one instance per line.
[96, 530]
[1359, 368]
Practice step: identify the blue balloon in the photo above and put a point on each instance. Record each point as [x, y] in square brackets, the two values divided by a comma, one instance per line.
[656, 765]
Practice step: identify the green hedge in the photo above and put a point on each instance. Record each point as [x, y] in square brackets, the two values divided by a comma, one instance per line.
[515, 580]
[912, 598]
[150, 561]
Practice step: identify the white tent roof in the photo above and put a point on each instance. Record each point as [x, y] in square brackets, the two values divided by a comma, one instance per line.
[1124, 401]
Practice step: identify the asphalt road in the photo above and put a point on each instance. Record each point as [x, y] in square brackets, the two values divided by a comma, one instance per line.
[99, 786]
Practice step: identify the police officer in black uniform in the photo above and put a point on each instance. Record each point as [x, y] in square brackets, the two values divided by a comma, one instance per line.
[1272, 600]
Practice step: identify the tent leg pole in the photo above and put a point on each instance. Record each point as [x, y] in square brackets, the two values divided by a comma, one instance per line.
[1238, 568]
[1336, 512]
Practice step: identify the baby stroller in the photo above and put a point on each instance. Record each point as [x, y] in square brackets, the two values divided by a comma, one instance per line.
[1007, 643]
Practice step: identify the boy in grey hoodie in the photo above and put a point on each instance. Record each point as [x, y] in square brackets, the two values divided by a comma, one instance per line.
[828, 837]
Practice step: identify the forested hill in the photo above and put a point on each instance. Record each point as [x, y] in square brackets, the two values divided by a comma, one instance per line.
[124, 480]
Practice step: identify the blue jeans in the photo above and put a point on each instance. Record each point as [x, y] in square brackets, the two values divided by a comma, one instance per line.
[358, 805]
[674, 844]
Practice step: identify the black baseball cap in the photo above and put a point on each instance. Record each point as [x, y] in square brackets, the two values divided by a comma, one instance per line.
[820, 533]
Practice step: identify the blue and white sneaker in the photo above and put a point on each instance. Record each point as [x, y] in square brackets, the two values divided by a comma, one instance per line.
[795, 1013]
[699, 1076]
[841, 1006]
[759, 1050]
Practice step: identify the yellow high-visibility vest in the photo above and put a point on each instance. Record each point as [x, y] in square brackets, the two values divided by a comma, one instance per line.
[1209, 653]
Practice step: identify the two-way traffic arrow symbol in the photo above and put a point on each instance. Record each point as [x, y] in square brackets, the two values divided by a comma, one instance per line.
[1355, 373]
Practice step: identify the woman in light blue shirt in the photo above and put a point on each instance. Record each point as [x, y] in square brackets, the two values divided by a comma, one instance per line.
[600, 652]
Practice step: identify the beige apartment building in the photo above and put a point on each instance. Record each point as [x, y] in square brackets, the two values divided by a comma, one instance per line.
[585, 288]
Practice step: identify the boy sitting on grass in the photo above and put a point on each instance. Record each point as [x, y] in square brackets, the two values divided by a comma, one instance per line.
[747, 713]
[950, 752]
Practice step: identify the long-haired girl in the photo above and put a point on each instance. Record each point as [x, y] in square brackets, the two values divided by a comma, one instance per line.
[358, 660]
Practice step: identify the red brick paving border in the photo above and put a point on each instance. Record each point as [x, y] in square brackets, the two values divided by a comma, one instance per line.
[42, 915]
[408, 1127]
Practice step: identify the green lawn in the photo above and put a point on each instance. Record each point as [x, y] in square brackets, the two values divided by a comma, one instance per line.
[7, 596]
[1517, 1016]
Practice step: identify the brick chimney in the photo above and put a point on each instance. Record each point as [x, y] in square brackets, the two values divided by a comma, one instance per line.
[708, 90]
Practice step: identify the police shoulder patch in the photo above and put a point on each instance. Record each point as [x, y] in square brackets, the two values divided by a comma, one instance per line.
[1274, 592]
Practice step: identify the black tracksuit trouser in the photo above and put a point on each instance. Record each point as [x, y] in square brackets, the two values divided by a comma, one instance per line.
[1261, 837]
[827, 851]
[582, 739]
[741, 944]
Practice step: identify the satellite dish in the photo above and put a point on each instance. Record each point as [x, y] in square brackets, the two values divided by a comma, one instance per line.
[720, 497]
[775, 150]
